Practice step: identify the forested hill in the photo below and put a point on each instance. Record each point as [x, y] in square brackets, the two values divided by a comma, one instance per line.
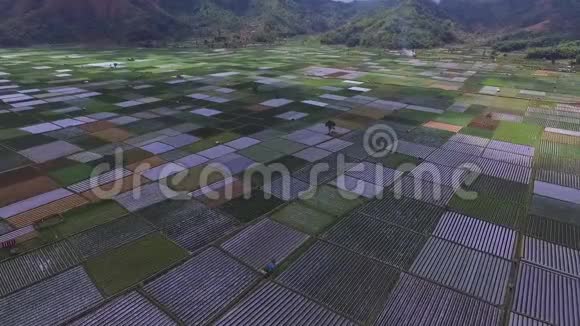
[410, 24]
[24, 22]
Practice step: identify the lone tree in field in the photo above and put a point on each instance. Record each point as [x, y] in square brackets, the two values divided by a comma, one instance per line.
[330, 125]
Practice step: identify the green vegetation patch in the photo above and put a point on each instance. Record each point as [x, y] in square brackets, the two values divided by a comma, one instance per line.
[479, 132]
[81, 219]
[257, 205]
[555, 209]
[502, 189]
[260, 153]
[476, 109]
[495, 103]
[491, 209]
[304, 218]
[292, 163]
[428, 136]
[455, 118]
[72, 174]
[11, 133]
[412, 117]
[212, 141]
[562, 150]
[518, 133]
[88, 141]
[283, 145]
[553, 230]
[125, 266]
[11, 160]
[191, 179]
[98, 106]
[24, 142]
[329, 200]
[13, 120]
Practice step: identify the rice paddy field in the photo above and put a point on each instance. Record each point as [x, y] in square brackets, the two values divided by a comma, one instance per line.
[394, 247]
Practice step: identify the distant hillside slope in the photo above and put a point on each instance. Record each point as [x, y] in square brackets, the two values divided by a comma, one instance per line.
[411, 24]
[63, 21]
[383, 23]
[25, 22]
[516, 15]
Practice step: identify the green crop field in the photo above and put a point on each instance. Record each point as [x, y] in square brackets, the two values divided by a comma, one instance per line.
[130, 264]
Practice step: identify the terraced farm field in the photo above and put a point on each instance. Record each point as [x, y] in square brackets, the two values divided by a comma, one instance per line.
[126, 197]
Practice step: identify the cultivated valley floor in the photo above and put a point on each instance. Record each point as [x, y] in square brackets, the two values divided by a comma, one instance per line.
[371, 241]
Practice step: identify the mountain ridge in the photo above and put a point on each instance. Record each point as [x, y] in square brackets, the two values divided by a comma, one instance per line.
[385, 23]
[515, 15]
[129, 21]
